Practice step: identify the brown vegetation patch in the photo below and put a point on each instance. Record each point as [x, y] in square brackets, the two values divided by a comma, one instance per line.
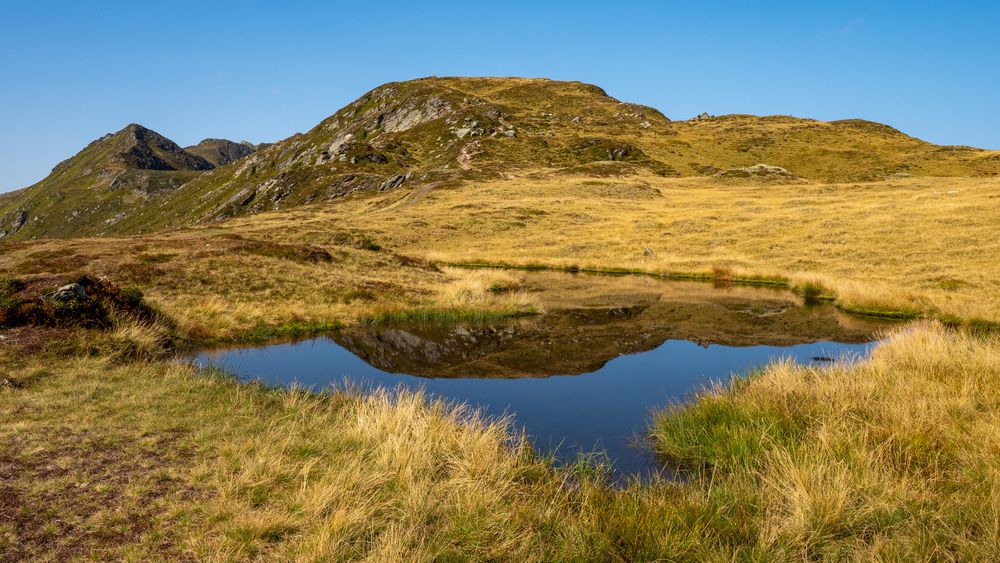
[285, 251]
[630, 190]
[22, 304]
[48, 260]
[28, 340]
[67, 495]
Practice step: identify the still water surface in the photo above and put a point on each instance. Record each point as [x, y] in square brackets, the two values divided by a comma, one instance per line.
[585, 376]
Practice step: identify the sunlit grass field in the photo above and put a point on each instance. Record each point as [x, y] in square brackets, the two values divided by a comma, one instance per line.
[109, 449]
[889, 459]
[921, 245]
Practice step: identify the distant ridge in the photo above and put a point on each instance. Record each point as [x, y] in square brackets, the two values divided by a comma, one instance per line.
[454, 130]
[111, 177]
[221, 152]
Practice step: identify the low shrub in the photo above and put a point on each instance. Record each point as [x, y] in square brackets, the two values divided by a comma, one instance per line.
[103, 302]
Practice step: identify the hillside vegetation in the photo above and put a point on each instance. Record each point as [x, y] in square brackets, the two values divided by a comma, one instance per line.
[104, 183]
[435, 131]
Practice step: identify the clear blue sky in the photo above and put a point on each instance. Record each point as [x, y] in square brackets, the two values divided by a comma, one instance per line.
[72, 71]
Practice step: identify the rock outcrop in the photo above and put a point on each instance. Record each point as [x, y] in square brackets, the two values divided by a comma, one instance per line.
[220, 152]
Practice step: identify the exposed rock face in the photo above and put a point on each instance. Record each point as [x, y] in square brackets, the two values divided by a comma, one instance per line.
[393, 182]
[220, 152]
[403, 118]
[12, 222]
[608, 149]
[71, 292]
[148, 150]
[20, 218]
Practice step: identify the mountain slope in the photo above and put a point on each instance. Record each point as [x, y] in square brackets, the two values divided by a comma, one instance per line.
[422, 131]
[452, 129]
[445, 131]
[221, 152]
[110, 178]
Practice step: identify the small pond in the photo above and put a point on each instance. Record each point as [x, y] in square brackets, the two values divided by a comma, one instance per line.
[585, 376]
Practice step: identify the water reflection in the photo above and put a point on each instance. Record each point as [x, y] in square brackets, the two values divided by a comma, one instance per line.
[583, 376]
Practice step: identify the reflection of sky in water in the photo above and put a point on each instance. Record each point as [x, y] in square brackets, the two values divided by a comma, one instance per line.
[602, 410]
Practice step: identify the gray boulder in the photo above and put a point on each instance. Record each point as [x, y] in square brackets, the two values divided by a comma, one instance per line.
[393, 182]
[71, 292]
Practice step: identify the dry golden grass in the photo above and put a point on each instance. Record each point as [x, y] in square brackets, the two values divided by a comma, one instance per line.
[489, 288]
[256, 473]
[892, 458]
[889, 459]
[222, 285]
[925, 244]
[916, 244]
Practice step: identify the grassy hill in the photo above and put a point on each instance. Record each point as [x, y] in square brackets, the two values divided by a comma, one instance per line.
[435, 131]
[108, 181]
[90, 192]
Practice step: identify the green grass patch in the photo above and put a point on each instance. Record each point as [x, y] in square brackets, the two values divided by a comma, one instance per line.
[873, 311]
[811, 292]
[770, 281]
[952, 284]
[717, 433]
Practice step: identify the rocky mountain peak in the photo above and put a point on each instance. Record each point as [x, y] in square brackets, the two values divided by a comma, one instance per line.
[101, 185]
[221, 152]
[146, 149]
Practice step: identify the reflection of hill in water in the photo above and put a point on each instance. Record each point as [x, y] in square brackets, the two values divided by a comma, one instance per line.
[600, 327]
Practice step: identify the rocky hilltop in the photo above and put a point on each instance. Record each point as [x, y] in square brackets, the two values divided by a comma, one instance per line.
[427, 130]
[221, 152]
[446, 131]
[110, 179]
[451, 130]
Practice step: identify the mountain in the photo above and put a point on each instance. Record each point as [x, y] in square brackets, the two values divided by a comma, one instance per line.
[221, 152]
[423, 130]
[110, 178]
[446, 131]
[454, 129]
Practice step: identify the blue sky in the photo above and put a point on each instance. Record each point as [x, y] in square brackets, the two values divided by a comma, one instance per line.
[72, 71]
